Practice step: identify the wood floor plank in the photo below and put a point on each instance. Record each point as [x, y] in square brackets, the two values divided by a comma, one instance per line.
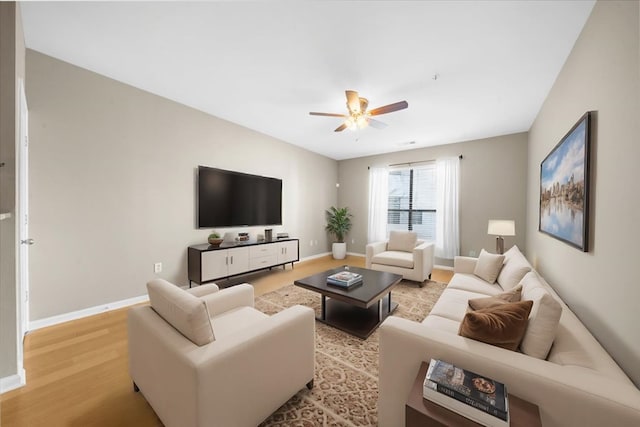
[77, 372]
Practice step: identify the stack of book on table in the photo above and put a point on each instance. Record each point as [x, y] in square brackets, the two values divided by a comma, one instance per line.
[478, 398]
[345, 279]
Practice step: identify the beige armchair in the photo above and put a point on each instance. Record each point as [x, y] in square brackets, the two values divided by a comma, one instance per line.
[402, 254]
[206, 357]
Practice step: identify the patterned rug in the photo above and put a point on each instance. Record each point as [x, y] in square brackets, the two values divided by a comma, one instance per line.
[345, 391]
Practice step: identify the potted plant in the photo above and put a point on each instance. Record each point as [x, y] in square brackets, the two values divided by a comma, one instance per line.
[214, 239]
[339, 224]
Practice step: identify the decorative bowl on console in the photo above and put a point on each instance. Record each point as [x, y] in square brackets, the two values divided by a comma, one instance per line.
[214, 239]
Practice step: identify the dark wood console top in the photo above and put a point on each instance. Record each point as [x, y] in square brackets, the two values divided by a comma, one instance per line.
[236, 244]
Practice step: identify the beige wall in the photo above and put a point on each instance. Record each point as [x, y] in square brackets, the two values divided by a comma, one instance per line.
[601, 74]
[113, 185]
[492, 186]
[12, 54]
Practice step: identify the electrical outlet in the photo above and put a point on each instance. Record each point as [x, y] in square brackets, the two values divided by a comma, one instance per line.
[353, 241]
[311, 243]
[472, 253]
[157, 267]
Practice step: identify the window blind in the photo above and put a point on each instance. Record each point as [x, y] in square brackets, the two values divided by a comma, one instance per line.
[412, 200]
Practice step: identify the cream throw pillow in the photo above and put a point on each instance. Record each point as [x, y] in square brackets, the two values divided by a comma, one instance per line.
[488, 266]
[185, 312]
[514, 268]
[543, 319]
[404, 241]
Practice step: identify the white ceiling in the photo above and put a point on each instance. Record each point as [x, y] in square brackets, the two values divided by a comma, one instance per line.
[265, 65]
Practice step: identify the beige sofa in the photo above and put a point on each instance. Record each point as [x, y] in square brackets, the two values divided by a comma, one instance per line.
[402, 254]
[206, 357]
[576, 384]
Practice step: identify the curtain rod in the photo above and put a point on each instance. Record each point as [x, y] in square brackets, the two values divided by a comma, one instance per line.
[419, 161]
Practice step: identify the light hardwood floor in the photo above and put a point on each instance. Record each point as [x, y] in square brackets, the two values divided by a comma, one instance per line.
[77, 372]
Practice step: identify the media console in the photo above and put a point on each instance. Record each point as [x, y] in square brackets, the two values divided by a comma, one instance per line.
[207, 263]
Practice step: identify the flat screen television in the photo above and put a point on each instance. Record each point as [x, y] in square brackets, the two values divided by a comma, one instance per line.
[231, 199]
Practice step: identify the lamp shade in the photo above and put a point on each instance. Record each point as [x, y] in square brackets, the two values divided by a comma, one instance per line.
[501, 227]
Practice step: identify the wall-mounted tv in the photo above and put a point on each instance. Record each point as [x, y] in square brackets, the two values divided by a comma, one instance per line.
[232, 199]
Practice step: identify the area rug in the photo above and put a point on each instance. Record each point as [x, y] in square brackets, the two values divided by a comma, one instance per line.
[345, 391]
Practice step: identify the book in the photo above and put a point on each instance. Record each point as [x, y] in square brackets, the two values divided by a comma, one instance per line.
[343, 284]
[463, 409]
[344, 278]
[449, 385]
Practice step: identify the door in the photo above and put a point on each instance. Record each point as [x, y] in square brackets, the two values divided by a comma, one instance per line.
[238, 260]
[214, 264]
[23, 223]
[287, 251]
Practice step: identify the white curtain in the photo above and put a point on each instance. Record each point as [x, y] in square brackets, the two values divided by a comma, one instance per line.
[378, 204]
[447, 228]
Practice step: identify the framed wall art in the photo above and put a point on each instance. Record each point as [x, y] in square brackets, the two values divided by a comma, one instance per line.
[564, 187]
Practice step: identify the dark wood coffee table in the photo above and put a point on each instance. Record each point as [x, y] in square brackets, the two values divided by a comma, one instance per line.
[358, 310]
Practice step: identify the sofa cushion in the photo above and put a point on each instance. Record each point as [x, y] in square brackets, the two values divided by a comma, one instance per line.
[488, 266]
[231, 322]
[441, 324]
[402, 241]
[502, 325]
[185, 312]
[543, 320]
[514, 268]
[472, 283]
[506, 297]
[394, 258]
[452, 304]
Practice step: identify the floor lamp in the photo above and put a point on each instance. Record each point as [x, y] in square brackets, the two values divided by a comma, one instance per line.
[499, 228]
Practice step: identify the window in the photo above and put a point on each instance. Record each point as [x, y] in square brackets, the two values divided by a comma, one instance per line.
[412, 200]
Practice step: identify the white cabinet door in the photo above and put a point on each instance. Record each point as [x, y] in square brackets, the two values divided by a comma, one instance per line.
[287, 251]
[238, 261]
[214, 265]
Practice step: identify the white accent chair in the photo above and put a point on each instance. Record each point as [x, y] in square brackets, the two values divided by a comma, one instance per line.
[402, 254]
[207, 357]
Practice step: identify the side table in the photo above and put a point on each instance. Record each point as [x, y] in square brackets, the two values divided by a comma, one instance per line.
[421, 412]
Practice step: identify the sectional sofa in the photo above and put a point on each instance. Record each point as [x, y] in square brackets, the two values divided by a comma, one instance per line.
[558, 365]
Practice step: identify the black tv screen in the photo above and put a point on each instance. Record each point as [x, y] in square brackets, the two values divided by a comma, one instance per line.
[230, 199]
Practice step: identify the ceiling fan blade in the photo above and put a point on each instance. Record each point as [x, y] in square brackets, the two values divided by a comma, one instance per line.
[328, 114]
[364, 103]
[389, 108]
[341, 127]
[353, 101]
[376, 123]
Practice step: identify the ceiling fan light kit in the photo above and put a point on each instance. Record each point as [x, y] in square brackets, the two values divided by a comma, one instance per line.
[358, 116]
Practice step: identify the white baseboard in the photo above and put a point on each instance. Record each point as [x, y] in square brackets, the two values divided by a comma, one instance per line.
[443, 267]
[309, 258]
[79, 314]
[324, 254]
[355, 254]
[13, 382]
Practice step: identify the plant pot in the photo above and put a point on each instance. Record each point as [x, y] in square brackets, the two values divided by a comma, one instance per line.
[339, 250]
[215, 242]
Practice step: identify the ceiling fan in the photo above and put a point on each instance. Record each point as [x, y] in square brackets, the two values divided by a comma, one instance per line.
[358, 117]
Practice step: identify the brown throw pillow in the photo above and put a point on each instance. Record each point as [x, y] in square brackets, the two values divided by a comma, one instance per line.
[512, 296]
[503, 325]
